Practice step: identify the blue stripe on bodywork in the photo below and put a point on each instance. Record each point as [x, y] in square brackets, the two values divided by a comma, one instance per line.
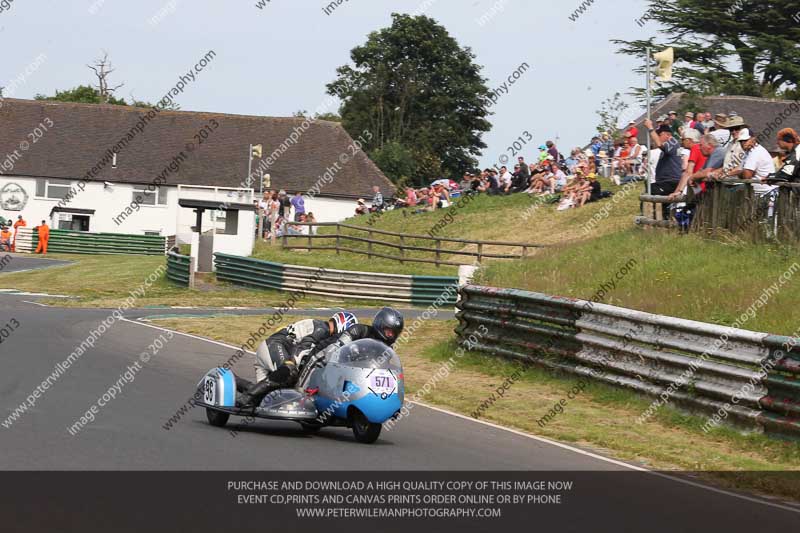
[228, 388]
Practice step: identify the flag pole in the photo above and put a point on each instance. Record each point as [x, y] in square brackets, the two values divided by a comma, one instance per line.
[648, 74]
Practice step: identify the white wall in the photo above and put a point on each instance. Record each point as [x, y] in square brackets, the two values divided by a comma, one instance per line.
[107, 203]
[331, 210]
[168, 219]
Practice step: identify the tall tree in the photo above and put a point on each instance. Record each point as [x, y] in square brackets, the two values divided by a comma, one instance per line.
[102, 69]
[747, 47]
[420, 95]
[610, 112]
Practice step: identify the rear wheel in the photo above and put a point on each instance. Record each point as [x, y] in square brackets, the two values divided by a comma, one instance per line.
[216, 418]
[364, 431]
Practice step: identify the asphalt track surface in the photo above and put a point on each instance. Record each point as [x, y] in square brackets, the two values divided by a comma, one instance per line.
[129, 433]
[19, 263]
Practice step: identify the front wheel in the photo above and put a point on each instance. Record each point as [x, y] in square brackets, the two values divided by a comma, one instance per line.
[364, 431]
[217, 418]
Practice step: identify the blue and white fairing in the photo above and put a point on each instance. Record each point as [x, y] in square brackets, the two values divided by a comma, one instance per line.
[218, 388]
[365, 374]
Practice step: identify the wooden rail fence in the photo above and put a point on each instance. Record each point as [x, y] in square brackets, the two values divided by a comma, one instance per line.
[733, 207]
[403, 247]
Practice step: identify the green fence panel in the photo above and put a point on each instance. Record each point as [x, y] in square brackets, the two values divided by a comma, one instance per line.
[78, 242]
[179, 268]
[423, 290]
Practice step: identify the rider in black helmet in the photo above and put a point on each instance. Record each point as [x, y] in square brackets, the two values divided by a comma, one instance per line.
[386, 327]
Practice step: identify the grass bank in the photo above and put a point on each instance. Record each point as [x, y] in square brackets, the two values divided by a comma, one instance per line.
[516, 218]
[671, 440]
[683, 276]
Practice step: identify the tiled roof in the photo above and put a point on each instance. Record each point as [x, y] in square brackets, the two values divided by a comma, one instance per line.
[83, 133]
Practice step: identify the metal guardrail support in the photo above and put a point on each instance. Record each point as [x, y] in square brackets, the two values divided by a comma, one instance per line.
[180, 269]
[754, 377]
[80, 242]
[416, 290]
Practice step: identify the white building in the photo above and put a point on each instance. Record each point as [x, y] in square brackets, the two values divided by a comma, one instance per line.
[116, 169]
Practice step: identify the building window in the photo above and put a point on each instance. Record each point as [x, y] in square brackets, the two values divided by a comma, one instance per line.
[145, 196]
[52, 188]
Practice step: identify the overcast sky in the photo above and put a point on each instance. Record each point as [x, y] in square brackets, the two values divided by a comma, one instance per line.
[277, 60]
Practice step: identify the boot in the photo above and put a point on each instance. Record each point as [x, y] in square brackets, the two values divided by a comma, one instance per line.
[242, 385]
[286, 374]
[253, 396]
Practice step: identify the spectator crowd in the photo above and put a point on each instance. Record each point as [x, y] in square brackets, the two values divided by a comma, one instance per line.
[688, 153]
[692, 154]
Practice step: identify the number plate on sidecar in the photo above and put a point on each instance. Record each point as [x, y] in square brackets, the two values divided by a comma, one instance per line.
[382, 382]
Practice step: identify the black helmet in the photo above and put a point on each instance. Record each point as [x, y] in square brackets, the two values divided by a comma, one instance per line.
[388, 324]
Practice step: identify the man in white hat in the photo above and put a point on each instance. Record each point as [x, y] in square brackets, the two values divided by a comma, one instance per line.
[757, 163]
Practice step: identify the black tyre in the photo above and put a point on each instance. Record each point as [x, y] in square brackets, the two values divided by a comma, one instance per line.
[364, 431]
[216, 418]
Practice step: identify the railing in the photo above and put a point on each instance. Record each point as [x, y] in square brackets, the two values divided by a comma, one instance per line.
[733, 207]
[179, 269]
[416, 290]
[80, 242]
[404, 245]
[753, 378]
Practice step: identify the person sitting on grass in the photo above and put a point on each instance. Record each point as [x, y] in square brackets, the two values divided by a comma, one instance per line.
[5, 239]
[558, 180]
[581, 191]
[596, 190]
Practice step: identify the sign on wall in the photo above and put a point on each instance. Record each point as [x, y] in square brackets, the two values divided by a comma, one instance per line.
[13, 197]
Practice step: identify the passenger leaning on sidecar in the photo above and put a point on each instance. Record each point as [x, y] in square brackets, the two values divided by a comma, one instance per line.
[278, 357]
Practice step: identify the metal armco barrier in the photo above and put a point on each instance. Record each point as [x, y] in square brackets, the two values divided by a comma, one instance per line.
[179, 269]
[696, 365]
[417, 290]
[80, 242]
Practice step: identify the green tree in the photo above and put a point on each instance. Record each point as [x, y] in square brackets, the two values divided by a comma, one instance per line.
[746, 47]
[331, 117]
[421, 96]
[82, 94]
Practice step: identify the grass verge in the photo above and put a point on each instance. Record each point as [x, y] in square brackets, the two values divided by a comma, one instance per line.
[682, 276]
[600, 417]
[106, 281]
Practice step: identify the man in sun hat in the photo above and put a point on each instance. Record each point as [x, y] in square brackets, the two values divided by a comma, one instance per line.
[735, 155]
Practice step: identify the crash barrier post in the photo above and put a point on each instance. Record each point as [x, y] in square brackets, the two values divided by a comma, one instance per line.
[416, 290]
[426, 244]
[180, 270]
[742, 377]
[732, 207]
[82, 242]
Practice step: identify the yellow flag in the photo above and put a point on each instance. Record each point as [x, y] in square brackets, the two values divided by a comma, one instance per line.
[665, 60]
[257, 150]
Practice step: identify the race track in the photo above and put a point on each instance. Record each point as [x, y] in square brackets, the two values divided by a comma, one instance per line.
[129, 433]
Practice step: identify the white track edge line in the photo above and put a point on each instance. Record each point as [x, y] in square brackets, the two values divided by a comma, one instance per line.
[535, 437]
